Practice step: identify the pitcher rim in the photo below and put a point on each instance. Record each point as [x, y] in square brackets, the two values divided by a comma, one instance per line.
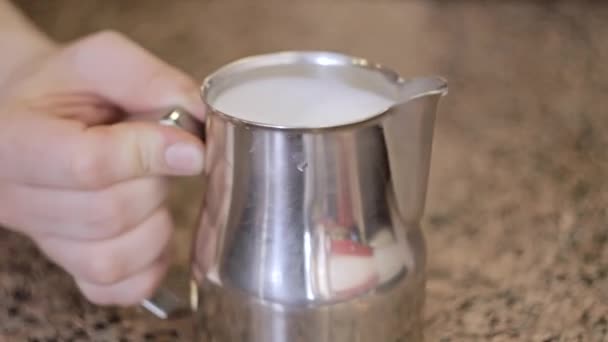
[312, 57]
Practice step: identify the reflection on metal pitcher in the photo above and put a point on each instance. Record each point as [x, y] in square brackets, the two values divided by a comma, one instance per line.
[312, 234]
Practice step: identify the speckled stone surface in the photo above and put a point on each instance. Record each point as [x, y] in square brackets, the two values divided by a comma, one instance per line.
[517, 218]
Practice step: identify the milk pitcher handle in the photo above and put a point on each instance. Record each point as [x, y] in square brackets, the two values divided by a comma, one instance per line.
[180, 118]
[165, 303]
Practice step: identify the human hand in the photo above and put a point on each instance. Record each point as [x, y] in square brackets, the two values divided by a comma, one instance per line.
[86, 186]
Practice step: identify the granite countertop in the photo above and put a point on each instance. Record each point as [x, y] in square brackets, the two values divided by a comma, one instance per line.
[516, 215]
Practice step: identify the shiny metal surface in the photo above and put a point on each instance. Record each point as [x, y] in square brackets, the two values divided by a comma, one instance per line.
[165, 304]
[179, 117]
[313, 234]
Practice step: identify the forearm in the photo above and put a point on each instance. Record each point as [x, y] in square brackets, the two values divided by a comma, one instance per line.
[20, 41]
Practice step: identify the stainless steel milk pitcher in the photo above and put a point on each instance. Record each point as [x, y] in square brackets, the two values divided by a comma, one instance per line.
[312, 234]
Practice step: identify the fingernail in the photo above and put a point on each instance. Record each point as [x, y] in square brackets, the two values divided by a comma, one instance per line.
[184, 158]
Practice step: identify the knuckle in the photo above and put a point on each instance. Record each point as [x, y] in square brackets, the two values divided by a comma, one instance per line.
[143, 165]
[87, 170]
[105, 268]
[109, 35]
[184, 84]
[89, 167]
[138, 143]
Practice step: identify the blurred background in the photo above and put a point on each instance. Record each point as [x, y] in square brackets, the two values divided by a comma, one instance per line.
[516, 213]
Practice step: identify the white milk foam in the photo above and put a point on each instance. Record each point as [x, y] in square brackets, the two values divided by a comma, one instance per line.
[300, 102]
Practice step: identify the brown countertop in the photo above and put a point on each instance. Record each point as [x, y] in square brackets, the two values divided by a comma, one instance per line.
[516, 216]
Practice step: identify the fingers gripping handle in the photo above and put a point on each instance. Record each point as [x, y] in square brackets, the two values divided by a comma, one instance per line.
[165, 303]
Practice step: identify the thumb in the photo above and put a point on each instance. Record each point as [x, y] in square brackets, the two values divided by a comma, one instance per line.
[66, 154]
[106, 155]
[113, 69]
[110, 66]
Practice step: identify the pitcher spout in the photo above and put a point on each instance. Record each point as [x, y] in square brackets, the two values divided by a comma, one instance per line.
[421, 86]
[409, 138]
